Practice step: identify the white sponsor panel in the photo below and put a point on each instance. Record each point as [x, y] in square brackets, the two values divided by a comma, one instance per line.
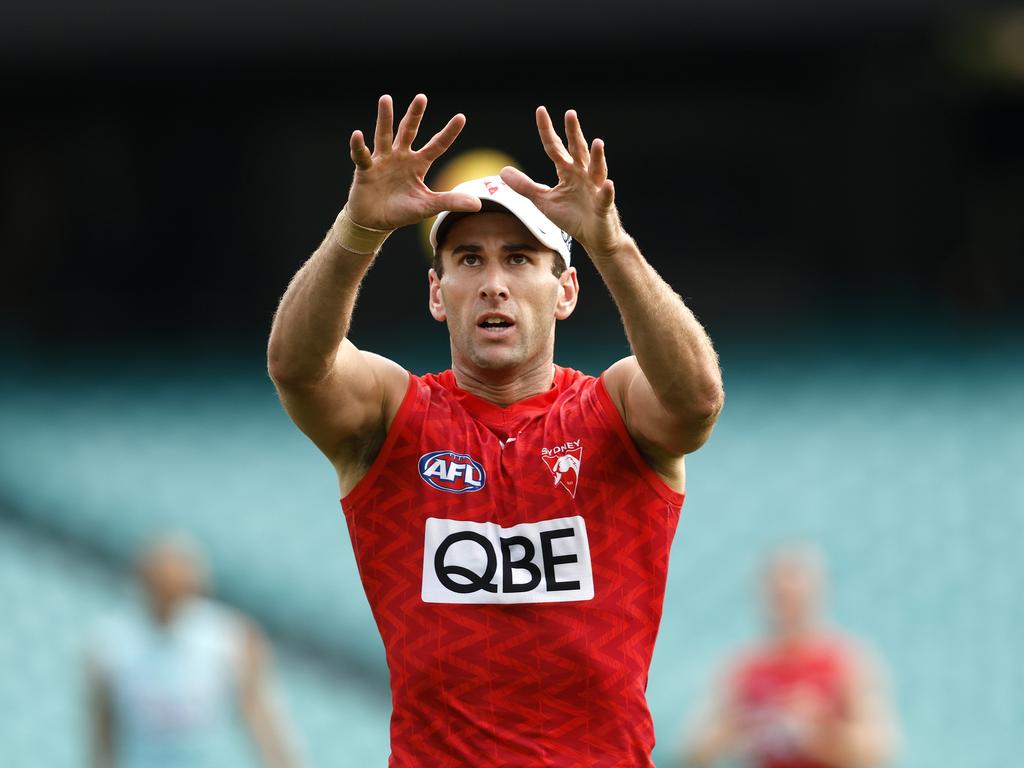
[543, 562]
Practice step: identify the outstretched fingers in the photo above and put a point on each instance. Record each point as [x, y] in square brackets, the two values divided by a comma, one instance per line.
[359, 152]
[577, 141]
[454, 201]
[385, 123]
[552, 144]
[410, 124]
[522, 183]
[598, 162]
[443, 139]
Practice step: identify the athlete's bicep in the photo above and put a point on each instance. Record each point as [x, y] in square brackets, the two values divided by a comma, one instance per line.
[359, 395]
[657, 431]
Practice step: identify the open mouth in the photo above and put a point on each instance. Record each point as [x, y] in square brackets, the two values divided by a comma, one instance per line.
[495, 324]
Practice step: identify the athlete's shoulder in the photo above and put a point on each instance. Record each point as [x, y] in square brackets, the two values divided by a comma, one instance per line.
[748, 660]
[111, 638]
[566, 378]
[588, 394]
[442, 381]
[433, 391]
[574, 386]
[205, 614]
[429, 397]
[849, 651]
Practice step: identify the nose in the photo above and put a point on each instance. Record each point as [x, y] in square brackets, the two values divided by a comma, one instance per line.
[494, 285]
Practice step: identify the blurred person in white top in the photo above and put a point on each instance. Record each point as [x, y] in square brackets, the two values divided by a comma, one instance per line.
[163, 682]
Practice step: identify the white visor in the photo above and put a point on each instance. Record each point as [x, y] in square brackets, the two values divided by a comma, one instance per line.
[492, 189]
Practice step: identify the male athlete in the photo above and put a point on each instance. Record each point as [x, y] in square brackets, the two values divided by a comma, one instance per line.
[806, 697]
[518, 595]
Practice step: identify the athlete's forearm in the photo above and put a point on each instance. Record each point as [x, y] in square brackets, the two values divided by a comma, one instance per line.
[269, 736]
[257, 704]
[314, 315]
[708, 748]
[670, 345]
[851, 745]
[102, 722]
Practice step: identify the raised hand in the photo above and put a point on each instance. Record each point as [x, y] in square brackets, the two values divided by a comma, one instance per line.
[388, 190]
[583, 201]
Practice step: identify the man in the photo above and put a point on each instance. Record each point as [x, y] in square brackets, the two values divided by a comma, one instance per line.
[808, 697]
[518, 596]
[163, 683]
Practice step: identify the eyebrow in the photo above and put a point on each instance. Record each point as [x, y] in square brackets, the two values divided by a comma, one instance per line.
[508, 247]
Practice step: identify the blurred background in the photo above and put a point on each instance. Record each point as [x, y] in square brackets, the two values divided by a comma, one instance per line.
[837, 189]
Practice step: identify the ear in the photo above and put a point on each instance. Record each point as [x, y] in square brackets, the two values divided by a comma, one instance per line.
[568, 293]
[436, 300]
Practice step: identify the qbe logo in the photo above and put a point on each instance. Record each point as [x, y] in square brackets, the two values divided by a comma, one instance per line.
[543, 562]
[452, 472]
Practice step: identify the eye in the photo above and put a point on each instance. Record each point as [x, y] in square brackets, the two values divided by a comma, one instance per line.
[519, 258]
[470, 259]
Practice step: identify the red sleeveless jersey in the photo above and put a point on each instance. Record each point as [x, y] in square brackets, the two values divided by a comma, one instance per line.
[765, 682]
[515, 562]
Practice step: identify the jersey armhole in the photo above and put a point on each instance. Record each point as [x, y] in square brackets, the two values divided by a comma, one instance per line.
[614, 418]
[401, 417]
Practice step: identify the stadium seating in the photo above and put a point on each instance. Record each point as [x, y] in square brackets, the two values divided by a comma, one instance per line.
[903, 463]
[54, 594]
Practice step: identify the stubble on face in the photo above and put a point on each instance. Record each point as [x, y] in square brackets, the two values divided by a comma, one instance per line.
[534, 338]
[492, 281]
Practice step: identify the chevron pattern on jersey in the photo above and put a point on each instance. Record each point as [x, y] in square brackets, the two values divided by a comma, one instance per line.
[527, 684]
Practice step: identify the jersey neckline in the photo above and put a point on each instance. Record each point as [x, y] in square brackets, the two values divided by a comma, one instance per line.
[512, 417]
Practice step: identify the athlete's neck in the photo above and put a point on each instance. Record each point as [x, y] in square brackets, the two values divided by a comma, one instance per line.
[504, 387]
[163, 611]
[796, 634]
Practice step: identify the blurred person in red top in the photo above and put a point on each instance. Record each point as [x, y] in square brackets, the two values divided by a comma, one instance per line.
[807, 696]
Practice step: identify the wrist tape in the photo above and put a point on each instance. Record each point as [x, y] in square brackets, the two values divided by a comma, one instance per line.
[357, 238]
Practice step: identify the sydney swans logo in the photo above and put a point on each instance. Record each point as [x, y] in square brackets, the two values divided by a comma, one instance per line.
[564, 462]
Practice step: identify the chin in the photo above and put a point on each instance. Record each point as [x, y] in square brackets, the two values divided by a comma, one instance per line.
[496, 362]
[496, 359]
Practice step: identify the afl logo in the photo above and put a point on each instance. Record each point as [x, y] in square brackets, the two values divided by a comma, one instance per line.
[452, 472]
